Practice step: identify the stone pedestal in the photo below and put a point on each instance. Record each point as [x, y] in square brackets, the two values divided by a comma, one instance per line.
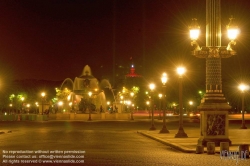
[214, 120]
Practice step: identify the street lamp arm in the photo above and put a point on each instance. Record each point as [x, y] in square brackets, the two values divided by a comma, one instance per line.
[229, 46]
[195, 43]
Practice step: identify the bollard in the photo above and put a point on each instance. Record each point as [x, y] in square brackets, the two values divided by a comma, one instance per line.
[224, 148]
[210, 147]
[244, 151]
[199, 149]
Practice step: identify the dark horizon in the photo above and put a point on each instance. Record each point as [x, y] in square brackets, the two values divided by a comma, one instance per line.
[54, 40]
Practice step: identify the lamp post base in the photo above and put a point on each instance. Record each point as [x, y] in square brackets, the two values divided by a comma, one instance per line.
[164, 130]
[243, 126]
[181, 134]
[152, 127]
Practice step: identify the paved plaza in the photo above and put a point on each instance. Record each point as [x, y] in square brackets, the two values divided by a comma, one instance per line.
[110, 143]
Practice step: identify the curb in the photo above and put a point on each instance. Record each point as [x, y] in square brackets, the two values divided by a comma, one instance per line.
[173, 145]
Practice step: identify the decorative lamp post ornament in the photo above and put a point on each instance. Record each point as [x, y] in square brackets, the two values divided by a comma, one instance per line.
[213, 51]
[194, 31]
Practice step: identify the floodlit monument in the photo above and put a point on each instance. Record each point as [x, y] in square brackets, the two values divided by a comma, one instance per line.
[87, 99]
[86, 88]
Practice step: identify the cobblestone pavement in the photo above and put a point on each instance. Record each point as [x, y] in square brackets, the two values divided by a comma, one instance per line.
[104, 143]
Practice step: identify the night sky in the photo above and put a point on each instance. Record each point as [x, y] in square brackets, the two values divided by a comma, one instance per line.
[55, 39]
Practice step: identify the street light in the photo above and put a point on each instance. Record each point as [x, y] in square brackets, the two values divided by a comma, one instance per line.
[242, 88]
[181, 133]
[160, 96]
[147, 107]
[232, 33]
[10, 107]
[90, 94]
[164, 80]
[224, 52]
[43, 96]
[37, 109]
[28, 107]
[22, 98]
[60, 104]
[152, 87]
[131, 108]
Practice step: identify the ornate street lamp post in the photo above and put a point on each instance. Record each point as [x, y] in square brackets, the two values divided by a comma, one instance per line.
[37, 107]
[131, 107]
[90, 94]
[160, 96]
[147, 107]
[43, 97]
[152, 87]
[181, 133]
[164, 80]
[214, 107]
[22, 99]
[242, 88]
[191, 106]
[10, 110]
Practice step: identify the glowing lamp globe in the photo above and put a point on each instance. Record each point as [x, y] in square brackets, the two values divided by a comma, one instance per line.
[194, 30]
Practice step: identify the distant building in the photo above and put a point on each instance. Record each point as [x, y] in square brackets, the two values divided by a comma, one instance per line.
[133, 79]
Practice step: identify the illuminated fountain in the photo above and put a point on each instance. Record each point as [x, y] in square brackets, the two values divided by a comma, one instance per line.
[85, 83]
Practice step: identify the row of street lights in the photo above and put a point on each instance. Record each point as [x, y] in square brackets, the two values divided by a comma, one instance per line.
[22, 99]
[181, 133]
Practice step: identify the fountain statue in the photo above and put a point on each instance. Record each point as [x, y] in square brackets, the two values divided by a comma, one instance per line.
[81, 86]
